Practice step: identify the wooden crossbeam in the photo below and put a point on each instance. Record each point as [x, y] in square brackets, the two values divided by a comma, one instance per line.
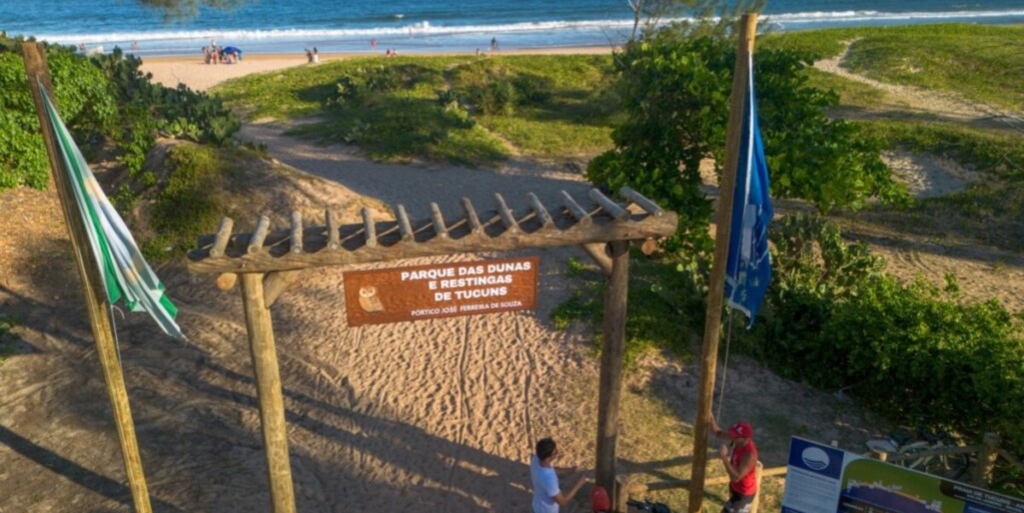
[371, 241]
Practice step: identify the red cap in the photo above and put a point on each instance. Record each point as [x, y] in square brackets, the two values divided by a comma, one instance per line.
[741, 429]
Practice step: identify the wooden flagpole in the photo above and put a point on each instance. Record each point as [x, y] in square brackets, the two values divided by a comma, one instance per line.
[95, 298]
[716, 290]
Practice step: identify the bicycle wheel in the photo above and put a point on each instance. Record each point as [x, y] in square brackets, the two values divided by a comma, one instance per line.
[949, 466]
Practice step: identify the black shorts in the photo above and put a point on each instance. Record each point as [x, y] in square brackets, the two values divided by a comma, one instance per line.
[738, 503]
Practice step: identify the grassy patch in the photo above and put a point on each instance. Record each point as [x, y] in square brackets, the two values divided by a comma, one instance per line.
[452, 109]
[982, 63]
[989, 210]
[650, 303]
[189, 204]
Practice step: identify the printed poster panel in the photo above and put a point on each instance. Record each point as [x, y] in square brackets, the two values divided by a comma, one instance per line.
[821, 478]
[381, 296]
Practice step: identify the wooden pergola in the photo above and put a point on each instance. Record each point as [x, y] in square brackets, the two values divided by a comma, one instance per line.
[268, 261]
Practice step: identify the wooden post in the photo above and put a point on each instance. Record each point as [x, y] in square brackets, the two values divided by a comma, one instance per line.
[716, 289]
[758, 478]
[986, 460]
[614, 328]
[621, 493]
[96, 301]
[268, 386]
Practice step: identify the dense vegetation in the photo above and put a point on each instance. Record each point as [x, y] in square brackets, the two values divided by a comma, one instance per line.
[103, 99]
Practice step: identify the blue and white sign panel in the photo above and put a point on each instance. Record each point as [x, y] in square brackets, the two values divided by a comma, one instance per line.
[823, 479]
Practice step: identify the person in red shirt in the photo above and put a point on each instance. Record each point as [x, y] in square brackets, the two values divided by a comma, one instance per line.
[740, 459]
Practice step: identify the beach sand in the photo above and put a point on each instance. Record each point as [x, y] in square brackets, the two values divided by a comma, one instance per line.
[193, 72]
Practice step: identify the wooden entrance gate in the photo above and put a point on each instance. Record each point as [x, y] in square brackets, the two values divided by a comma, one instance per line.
[268, 261]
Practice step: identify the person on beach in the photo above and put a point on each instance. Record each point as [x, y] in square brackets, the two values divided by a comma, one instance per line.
[373, 44]
[494, 43]
[316, 55]
[547, 496]
[740, 460]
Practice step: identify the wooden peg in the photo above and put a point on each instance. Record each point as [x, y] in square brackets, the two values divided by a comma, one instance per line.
[404, 226]
[649, 206]
[333, 232]
[613, 209]
[439, 226]
[542, 213]
[474, 221]
[296, 237]
[582, 217]
[259, 235]
[506, 215]
[220, 243]
[369, 228]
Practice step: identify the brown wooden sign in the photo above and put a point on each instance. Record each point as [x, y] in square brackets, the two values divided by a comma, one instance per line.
[443, 290]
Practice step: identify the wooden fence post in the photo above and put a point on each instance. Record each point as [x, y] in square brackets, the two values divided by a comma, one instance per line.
[758, 475]
[621, 492]
[614, 328]
[986, 460]
[268, 389]
[879, 455]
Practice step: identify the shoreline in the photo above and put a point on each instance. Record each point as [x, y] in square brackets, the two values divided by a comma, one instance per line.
[190, 69]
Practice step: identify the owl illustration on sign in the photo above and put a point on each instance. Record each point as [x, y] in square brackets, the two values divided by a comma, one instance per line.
[369, 300]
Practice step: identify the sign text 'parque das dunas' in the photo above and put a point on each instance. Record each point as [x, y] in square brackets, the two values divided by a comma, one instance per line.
[443, 290]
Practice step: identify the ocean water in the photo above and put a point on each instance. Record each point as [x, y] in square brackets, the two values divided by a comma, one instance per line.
[287, 26]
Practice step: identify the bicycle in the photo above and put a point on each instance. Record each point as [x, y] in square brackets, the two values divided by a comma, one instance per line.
[902, 449]
[646, 505]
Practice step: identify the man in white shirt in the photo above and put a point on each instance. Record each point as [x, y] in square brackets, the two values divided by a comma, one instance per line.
[547, 496]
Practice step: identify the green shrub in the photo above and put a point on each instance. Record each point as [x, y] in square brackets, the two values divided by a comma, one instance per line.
[82, 94]
[915, 353]
[358, 85]
[188, 205]
[498, 98]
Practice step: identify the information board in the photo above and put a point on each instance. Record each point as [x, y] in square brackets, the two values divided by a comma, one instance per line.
[821, 479]
[398, 294]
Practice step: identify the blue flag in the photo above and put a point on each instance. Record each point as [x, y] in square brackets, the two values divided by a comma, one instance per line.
[749, 268]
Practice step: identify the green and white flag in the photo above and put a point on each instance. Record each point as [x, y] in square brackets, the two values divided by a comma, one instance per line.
[126, 275]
